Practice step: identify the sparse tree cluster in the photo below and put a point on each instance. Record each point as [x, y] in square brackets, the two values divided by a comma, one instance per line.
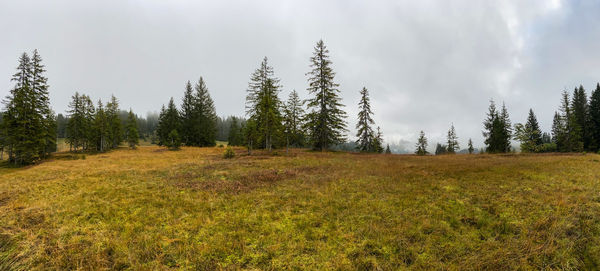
[194, 125]
[497, 130]
[94, 128]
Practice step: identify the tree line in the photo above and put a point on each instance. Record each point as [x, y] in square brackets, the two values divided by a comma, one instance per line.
[29, 128]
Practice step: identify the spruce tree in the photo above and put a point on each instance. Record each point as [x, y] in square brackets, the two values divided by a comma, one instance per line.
[326, 119]
[189, 118]
[206, 123]
[559, 135]
[594, 113]
[28, 122]
[101, 129]
[169, 124]
[421, 144]
[441, 149]
[263, 105]
[470, 144]
[234, 133]
[580, 111]
[365, 134]
[293, 114]
[115, 130]
[506, 130]
[47, 126]
[532, 125]
[131, 131]
[378, 141]
[452, 140]
[387, 149]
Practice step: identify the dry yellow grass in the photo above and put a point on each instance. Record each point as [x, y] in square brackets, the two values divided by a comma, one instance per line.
[191, 209]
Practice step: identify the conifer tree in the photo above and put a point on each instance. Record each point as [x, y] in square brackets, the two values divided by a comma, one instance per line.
[47, 126]
[506, 131]
[532, 125]
[168, 125]
[580, 111]
[189, 117]
[101, 129]
[206, 123]
[293, 114]
[421, 144]
[559, 134]
[470, 144]
[131, 131]
[594, 123]
[387, 149]
[325, 119]
[365, 134]
[571, 135]
[263, 105]
[441, 149]
[293, 120]
[497, 129]
[378, 141]
[452, 140]
[27, 123]
[115, 130]
[234, 138]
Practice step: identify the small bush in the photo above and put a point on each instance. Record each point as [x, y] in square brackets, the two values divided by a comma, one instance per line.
[220, 146]
[229, 153]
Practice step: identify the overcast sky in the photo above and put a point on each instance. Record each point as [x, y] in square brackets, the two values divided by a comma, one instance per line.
[426, 63]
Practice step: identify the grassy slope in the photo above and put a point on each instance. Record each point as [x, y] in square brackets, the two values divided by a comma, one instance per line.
[191, 209]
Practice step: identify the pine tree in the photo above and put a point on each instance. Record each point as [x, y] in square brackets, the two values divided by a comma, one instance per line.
[234, 133]
[580, 111]
[131, 131]
[169, 124]
[325, 121]
[470, 144]
[559, 134]
[365, 133]
[497, 129]
[506, 131]
[532, 125]
[173, 141]
[101, 129]
[571, 137]
[594, 113]
[189, 117]
[452, 140]
[441, 149]
[421, 144]
[293, 114]
[89, 131]
[387, 149]
[378, 142]
[115, 130]
[207, 116]
[263, 105]
[47, 127]
[28, 120]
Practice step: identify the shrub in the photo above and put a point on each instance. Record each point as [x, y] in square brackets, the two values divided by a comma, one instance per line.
[229, 153]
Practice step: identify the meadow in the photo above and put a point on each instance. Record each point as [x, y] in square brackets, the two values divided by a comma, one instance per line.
[154, 209]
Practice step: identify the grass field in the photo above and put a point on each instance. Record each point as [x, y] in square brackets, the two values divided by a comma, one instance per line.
[152, 209]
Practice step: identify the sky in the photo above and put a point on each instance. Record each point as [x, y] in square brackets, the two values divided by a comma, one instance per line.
[427, 64]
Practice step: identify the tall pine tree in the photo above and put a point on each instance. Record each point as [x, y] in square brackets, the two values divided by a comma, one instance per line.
[452, 140]
[594, 113]
[263, 105]
[365, 133]
[293, 114]
[169, 124]
[421, 144]
[326, 119]
[131, 132]
[579, 108]
[206, 123]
